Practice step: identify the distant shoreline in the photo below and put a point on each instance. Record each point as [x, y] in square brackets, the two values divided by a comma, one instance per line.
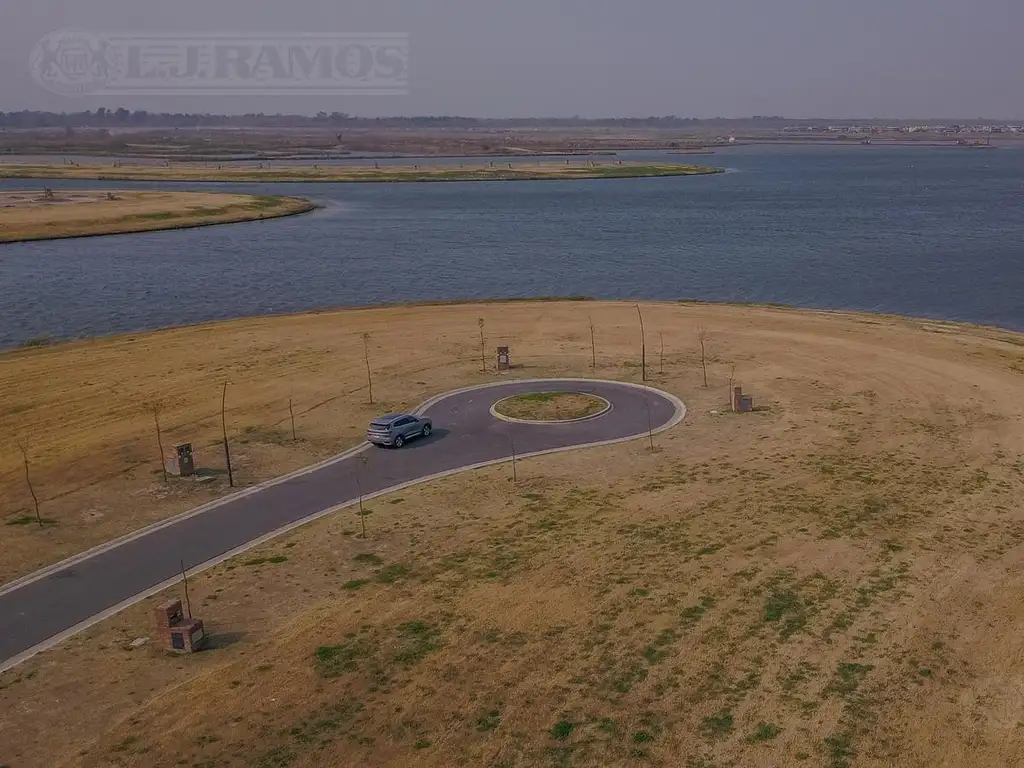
[352, 174]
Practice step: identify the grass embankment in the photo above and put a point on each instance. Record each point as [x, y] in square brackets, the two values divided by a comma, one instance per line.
[496, 171]
[31, 215]
[833, 580]
[550, 406]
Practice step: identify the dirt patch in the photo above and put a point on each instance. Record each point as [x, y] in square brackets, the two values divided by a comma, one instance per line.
[832, 580]
[550, 406]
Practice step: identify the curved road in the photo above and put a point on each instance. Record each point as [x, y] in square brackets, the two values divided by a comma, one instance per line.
[43, 608]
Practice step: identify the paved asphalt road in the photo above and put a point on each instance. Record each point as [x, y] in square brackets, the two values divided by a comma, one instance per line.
[40, 610]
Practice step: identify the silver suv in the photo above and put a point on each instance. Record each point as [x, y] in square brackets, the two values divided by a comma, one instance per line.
[394, 429]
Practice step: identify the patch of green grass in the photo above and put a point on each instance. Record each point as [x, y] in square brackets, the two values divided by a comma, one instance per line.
[389, 574]
[652, 655]
[263, 560]
[367, 557]
[785, 607]
[321, 726]
[803, 672]
[355, 584]
[692, 614]
[847, 678]
[537, 397]
[840, 623]
[840, 749]
[709, 550]
[125, 744]
[719, 724]
[37, 341]
[765, 732]
[416, 639]
[334, 660]
[489, 721]
[421, 744]
[155, 216]
[562, 730]
[626, 678]
[23, 520]
[642, 737]
[279, 757]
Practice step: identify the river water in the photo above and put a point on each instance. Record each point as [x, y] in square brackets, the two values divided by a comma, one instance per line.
[917, 231]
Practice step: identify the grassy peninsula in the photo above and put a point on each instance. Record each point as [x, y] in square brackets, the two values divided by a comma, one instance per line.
[268, 172]
[48, 214]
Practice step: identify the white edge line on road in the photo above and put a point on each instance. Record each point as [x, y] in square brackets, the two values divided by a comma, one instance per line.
[678, 416]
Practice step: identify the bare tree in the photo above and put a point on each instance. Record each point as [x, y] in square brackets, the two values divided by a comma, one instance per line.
[512, 443]
[184, 580]
[650, 427]
[702, 336]
[483, 358]
[661, 354]
[159, 439]
[366, 356]
[732, 379]
[643, 346]
[593, 347]
[28, 482]
[224, 430]
[291, 413]
[359, 486]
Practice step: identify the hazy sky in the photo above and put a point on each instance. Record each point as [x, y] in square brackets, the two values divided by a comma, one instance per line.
[730, 58]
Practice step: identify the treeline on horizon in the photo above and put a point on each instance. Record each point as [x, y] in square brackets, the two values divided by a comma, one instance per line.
[121, 117]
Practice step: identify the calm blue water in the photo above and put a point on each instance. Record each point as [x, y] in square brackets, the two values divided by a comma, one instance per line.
[927, 232]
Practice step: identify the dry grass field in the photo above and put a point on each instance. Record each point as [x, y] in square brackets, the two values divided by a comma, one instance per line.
[832, 580]
[36, 215]
[537, 170]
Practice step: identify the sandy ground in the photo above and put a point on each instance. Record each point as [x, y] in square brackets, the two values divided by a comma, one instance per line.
[42, 215]
[832, 580]
[483, 171]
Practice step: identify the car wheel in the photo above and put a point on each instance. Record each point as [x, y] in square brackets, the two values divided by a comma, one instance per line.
[426, 430]
[399, 441]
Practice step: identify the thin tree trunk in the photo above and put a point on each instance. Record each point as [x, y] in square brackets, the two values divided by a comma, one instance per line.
[359, 486]
[224, 429]
[483, 356]
[643, 346]
[160, 442]
[184, 580]
[593, 347]
[366, 355]
[291, 412]
[512, 443]
[28, 482]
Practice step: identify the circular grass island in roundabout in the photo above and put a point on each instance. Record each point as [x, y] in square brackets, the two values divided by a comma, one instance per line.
[550, 407]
